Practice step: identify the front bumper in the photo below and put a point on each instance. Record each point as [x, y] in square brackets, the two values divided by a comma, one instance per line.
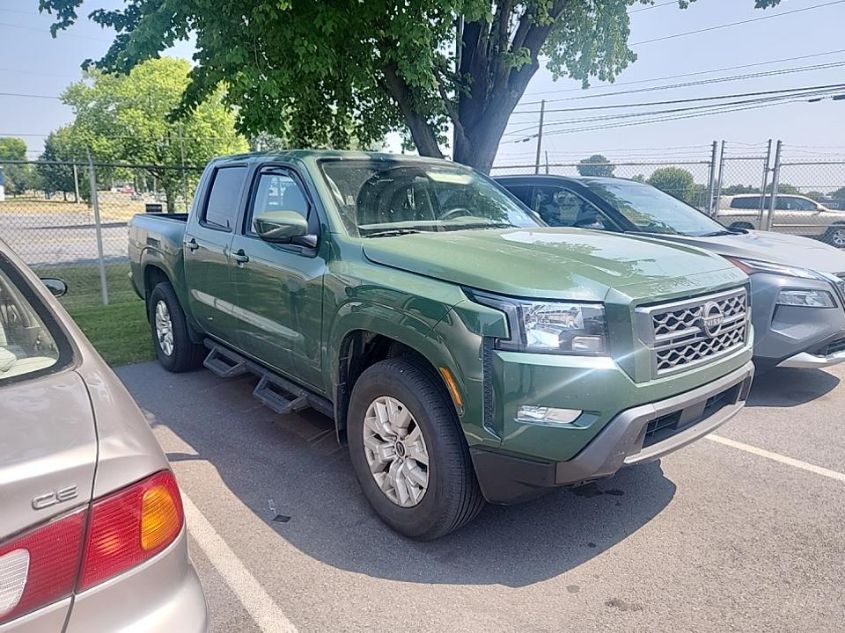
[791, 336]
[637, 435]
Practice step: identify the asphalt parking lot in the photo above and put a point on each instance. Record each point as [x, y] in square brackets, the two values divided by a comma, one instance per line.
[738, 532]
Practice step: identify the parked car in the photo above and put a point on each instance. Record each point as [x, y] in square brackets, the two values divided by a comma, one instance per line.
[797, 285]
[465, 350]
[92, 533]
[797, 215]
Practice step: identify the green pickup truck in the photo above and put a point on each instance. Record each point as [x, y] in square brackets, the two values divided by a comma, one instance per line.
[465, 351]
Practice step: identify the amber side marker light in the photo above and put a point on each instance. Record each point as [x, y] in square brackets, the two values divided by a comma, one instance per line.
[452, 386]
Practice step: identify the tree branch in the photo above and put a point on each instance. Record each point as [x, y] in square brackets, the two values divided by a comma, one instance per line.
[421, 130]
[451, 107]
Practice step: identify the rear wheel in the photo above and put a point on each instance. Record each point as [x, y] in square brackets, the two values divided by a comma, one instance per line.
[173, 345]
[836, 236]
[409, 452]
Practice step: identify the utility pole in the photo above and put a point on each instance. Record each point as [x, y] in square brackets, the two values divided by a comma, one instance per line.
[719, 179]
[540, 137]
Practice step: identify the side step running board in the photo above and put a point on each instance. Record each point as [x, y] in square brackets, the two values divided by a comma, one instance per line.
[273, 391]
[224, 364]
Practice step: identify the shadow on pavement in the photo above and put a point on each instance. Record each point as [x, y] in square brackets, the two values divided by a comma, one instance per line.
[295, 462]
[790, 387]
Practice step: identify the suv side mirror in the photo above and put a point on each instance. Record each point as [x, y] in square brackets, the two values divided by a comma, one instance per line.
[280, 227]
[57, 287]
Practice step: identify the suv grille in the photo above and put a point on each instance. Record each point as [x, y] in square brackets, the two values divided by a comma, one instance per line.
[690, 332]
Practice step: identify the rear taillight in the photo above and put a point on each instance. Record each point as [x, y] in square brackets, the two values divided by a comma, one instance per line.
[130, 526]
[124, 529]
[40, 567]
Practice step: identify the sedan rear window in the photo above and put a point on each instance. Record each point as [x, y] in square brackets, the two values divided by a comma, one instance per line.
[27, 346]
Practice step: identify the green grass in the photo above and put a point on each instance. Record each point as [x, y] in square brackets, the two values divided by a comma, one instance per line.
[120, 332]
[84, 283]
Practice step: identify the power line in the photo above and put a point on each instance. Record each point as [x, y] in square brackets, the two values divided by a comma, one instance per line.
[671, 118]
[47, 31]
[28, 96]
[655, 6]
[700, 82]
[692, 74]
[688, 100]
[731, 24]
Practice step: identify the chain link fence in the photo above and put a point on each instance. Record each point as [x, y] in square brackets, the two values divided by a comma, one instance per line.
[50, 218]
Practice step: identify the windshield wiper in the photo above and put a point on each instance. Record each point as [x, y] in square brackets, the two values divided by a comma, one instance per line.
[718, 233]
[392, 232]
[479, 225]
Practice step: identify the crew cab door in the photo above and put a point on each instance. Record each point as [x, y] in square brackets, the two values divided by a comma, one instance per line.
[280, 286]
[208, 238]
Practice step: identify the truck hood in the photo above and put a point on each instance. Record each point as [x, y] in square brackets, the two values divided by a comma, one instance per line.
[554, 263]
[766, 246]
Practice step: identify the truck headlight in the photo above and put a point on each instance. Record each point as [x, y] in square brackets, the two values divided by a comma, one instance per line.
[550, 327]
[806, 298]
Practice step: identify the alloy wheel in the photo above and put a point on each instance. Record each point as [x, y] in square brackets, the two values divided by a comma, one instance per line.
[164, 328]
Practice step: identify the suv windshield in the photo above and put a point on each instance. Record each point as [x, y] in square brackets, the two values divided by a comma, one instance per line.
[381, 198]
[653, 211]
[26, 345]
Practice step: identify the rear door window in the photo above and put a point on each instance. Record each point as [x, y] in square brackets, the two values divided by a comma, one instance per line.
[28, 345]
[221, 209]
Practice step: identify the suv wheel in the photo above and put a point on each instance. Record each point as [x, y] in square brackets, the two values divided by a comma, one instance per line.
[409, 452]
[174, 348]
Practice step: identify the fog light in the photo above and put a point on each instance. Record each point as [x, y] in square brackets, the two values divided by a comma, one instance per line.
[546, 415]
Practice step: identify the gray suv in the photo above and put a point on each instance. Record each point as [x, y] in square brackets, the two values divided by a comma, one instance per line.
[797, 284]
[92, 530]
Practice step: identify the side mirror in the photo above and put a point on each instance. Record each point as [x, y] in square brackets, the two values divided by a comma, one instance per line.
[57, 287]
[280, 227]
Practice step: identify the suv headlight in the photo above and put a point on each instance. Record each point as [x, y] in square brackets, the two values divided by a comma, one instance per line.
[806, 298]
[550, 327]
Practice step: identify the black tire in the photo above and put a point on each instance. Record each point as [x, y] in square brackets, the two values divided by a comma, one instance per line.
[741, 226]
[452, 497]
[835, 236]
[185, 355]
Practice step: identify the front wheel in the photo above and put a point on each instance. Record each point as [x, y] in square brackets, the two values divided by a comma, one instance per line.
[173, 345]
[408, 451]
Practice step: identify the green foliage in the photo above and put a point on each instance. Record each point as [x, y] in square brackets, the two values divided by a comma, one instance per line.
[12, 148]
[839, 194]
[818, 196]
[595, 165]
[675, 181]
[733, 190]
[54, 174]
[321, 73]
[785, 188]
[127, 118]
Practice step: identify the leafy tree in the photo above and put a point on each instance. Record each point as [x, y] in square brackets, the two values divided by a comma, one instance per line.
[595, 165]
[318, 72]
[818, 196]
[839, 194]
[733, 190]
[675, 181]
[54, 174]
[18, 177]
[125, 118]
[784, 188]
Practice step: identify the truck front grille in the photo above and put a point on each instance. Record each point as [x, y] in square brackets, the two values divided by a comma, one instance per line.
[694, 331]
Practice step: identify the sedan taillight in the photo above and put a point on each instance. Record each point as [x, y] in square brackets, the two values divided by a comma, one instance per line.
[125, 529]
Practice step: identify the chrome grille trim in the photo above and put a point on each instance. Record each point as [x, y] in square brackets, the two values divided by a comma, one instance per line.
[677, 338]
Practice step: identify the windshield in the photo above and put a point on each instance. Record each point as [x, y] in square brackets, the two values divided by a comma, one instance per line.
[653, 211]
[382, 198]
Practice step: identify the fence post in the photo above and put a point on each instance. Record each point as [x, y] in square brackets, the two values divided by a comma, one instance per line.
[719, 178]
[540, 137]
[765, 184]
[95, 205]
[75, 184]
[775, 184]
[711, 187]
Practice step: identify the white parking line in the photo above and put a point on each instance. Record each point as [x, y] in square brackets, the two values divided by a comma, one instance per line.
[783, 459]
[257, 602]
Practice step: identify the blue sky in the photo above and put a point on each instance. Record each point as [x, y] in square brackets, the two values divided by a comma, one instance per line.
[34, 63]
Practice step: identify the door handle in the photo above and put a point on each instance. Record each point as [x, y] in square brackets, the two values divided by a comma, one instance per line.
[240, 257]
[192, 244]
